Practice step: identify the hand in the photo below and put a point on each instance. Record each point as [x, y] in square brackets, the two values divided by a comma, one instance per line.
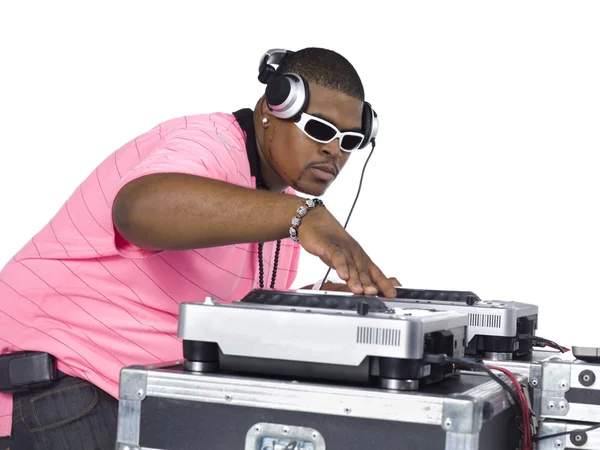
[322, 235]
[343, 287]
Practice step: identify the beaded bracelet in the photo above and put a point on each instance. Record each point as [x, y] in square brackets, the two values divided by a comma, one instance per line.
[301, 212]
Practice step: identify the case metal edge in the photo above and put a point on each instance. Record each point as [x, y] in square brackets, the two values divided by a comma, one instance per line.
[132, 391]
[463, 416]
[467, 412]
[295, 396]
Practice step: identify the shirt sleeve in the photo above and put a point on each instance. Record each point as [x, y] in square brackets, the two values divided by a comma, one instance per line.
[181, 153]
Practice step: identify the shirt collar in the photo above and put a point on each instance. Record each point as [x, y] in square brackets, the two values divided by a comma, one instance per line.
[245, 117]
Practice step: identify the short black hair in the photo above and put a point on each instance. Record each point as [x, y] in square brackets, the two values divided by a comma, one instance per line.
[325, 68]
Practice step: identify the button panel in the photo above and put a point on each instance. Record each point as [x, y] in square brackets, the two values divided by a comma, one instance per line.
[467, 297]
[316, 300]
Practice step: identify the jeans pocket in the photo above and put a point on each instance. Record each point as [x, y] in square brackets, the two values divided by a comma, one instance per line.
[65, 402]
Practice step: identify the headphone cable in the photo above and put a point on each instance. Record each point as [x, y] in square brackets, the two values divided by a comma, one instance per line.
[353, 204]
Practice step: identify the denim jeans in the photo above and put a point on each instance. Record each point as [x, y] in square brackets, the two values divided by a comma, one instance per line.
[71, 414]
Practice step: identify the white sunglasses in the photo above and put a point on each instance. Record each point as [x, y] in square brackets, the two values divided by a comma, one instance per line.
[324, 132]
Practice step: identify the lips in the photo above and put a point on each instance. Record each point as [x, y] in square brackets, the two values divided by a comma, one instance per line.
[324, 172]
[326, 168]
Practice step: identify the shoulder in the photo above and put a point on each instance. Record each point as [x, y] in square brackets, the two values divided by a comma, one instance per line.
[218, 134]
[202, 126]
[215, 140]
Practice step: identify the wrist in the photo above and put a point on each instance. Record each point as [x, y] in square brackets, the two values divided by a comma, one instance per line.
[302, 211]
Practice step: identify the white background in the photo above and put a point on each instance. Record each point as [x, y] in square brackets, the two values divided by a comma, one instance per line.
[485, 176]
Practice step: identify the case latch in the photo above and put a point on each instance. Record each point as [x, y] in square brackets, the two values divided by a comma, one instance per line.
[275, 436]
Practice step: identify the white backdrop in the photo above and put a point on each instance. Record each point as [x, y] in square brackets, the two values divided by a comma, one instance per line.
[485, 173]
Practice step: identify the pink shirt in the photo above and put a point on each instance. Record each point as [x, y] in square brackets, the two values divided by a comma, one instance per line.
[80, 292]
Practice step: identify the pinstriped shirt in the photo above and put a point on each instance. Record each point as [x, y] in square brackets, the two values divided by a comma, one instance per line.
[80, 292]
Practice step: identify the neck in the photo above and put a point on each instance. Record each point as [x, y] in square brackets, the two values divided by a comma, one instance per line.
[269, 176]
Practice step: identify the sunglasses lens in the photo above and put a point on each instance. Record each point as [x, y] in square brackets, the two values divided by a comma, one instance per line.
[319, 130]
[350, 142]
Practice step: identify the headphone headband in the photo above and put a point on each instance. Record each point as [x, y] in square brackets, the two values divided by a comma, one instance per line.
[272, 57]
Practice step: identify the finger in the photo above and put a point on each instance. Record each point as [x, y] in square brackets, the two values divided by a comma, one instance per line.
[381, 281]
[367, 284]
[395, 281]
[354, 282]
[337, 261]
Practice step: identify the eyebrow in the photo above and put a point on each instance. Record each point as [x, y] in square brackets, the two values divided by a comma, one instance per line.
[321, 116]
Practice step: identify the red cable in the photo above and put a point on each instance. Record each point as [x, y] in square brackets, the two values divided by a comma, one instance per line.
[527, 442]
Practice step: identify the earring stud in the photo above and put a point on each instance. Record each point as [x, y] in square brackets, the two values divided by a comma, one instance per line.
[265, 120]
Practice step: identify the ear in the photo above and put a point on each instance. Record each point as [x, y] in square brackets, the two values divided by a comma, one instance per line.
[264, 109]
[259, 114]
[265, 118]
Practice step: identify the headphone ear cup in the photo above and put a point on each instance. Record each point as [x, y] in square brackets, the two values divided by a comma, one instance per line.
[370, 124]
[287, 96]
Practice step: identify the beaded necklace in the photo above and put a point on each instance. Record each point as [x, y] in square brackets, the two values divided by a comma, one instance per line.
[261, 185]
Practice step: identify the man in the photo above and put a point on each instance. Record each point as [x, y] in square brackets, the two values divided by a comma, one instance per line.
[199, 205]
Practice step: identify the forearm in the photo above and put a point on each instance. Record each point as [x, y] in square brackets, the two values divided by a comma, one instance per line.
[178, 212]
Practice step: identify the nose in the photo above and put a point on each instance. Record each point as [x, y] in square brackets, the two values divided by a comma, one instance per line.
[333, 149]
